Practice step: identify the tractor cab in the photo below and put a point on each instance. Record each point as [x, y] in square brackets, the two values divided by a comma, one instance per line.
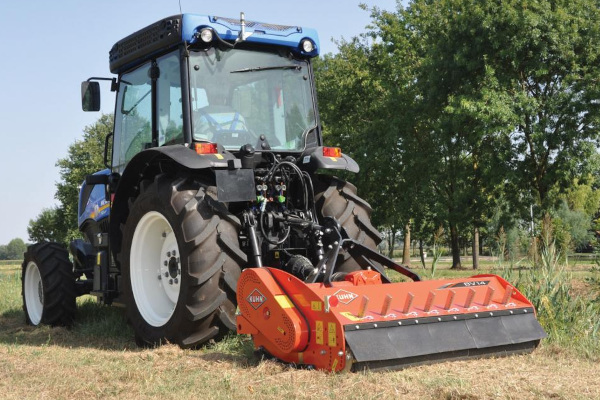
[191, 79]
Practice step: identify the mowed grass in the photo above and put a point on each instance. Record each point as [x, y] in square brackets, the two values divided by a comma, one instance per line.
[98, 358]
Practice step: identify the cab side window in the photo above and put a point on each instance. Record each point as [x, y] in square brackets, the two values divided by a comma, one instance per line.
[133, 123]
[170, 119]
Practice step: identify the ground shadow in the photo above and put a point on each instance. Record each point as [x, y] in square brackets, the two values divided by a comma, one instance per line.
[105, 328]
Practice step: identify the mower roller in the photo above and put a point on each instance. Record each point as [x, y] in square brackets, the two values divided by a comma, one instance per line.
[218, 196]
[364, 323]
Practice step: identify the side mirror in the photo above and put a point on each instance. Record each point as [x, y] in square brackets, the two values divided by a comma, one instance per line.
[90, 96]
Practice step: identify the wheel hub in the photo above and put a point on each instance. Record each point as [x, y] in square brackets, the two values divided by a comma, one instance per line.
[173, 267]
[34, 293]
[155, 254]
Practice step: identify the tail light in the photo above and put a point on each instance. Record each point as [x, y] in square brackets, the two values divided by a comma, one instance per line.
[332, 152]
[206, 148]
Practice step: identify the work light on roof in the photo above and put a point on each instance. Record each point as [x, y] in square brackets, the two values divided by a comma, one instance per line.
[308, 46]
[206, 35]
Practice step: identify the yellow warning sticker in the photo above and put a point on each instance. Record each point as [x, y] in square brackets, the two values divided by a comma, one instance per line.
[334, 364]
[280, 329]
[319, 332]
[332, 340]
[316, 305]
[350, 316]
[333, 159]
[219, 156]
[284, 301]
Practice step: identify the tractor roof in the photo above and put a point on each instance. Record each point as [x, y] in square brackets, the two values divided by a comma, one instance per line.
[171, 31]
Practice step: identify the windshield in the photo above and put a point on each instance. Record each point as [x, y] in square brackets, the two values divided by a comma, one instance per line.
[239, 95]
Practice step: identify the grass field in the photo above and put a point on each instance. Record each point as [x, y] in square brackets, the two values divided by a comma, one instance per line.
[98, 358]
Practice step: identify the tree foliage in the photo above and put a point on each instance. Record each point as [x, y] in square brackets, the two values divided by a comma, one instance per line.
[84, 157]
[457, 109]
[13, 250]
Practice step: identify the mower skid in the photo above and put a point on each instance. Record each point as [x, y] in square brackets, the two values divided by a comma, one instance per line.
[362, 323]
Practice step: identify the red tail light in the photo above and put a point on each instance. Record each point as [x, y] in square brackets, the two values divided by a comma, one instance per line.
[206, 148]
[332, 152]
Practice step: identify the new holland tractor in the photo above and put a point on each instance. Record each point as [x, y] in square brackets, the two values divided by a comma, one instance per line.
[216, 214]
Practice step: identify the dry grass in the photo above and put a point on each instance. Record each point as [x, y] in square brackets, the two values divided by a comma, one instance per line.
[58, 372]
[90, 361]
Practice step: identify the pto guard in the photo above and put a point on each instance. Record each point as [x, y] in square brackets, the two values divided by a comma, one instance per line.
[364, 323]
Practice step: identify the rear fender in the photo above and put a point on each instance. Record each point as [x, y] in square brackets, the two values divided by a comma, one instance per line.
[145, 165]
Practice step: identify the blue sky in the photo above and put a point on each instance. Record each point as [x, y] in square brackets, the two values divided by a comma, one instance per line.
[49, 47]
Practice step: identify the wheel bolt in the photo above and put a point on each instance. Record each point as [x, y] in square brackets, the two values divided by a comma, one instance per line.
[168, 254]
[176, 280]
[178, 272]
[159, 277]
[166, 274]
[174, 253]
[166, 263]
[170, 281]
[164, 234]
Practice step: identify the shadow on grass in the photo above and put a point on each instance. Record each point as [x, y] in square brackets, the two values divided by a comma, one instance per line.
[96, 326]
[104, 327]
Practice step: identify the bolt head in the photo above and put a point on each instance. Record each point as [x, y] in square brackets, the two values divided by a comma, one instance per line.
[164, 234]
[168, 254]
[165, 263]
[159, 277]
[166, 274]
[176, 280]
[174, 252]
[170, 281]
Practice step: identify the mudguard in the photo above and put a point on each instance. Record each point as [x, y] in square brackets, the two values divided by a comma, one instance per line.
[146, 161]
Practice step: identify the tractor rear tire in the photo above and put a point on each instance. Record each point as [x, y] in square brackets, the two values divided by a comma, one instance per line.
[180, 262]
[337, 198]
[48, 285]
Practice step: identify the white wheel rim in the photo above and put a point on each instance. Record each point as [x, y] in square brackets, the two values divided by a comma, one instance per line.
[34, 293]
[155, 269]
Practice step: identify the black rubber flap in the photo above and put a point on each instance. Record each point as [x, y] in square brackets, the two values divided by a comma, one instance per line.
[433, 338]
[235, 185]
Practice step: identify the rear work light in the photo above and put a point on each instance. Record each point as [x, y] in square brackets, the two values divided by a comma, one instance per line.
[332, 152]
[206, 148]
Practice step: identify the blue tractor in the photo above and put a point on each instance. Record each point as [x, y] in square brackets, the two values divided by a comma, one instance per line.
[210, 169]
[215, 166]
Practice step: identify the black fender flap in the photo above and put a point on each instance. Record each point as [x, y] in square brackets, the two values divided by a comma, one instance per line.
[395, 347]
[313, 159]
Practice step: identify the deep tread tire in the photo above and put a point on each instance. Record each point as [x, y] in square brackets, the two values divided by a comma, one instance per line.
[337, 198]
[210, 259]
[48, 298]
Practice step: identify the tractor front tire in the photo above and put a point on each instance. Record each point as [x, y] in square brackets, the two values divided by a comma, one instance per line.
[337, 198]
[180, 262]
[48, 285]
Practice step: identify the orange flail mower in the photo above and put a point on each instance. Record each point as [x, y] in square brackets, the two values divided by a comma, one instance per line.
[362, 322]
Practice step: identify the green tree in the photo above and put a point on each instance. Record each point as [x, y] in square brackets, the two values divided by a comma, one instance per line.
[48, 226]
[15, 249]
[84, 157]
[505, 100]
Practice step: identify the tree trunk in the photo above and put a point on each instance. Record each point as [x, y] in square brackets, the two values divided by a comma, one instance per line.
[476, 248]
[406, 249]
[421, 253]
[455, 244]
[391, 242]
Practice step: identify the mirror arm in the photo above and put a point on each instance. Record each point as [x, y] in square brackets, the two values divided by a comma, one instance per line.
[113, 82]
